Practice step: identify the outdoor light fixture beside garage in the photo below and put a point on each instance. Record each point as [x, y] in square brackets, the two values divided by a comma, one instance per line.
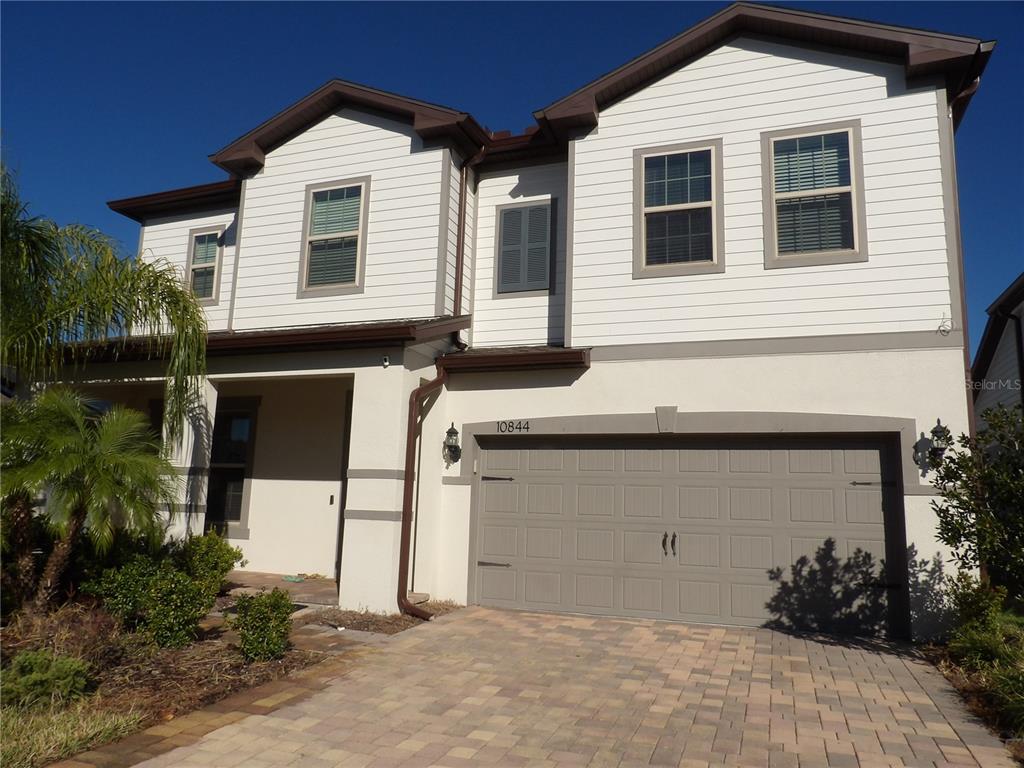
[452, 451]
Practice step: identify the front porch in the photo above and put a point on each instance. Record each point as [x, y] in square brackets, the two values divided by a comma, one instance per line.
[303, 589]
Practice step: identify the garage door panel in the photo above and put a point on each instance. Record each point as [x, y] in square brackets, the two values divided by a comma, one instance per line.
[587, 525]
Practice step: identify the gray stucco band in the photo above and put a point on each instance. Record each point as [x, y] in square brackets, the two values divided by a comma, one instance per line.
[376, 474]
[456, 480]
[442, 232]
[716, 424]
[791, 345]
[386, 515]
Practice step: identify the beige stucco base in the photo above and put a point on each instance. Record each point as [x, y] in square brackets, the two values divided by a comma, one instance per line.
[919, 385]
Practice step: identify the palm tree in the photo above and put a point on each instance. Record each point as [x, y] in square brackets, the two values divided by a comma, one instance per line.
[67, 293]
[101, 471]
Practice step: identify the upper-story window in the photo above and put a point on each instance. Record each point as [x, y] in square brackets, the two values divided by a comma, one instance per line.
[678, 221]
[334, 240]
[204, 258]
[524, 247]
[813, 196]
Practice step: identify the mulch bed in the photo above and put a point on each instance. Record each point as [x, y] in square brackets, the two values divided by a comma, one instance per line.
[381, 623]
[133, 674]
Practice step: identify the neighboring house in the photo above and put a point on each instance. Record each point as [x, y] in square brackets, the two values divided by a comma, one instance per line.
[998, 370]
[687, 329]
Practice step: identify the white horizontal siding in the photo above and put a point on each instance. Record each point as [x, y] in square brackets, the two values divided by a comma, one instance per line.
[403, 231]
[517, 320]
[1002, 381]
[167, 239]
[735, 93]
[452, 238]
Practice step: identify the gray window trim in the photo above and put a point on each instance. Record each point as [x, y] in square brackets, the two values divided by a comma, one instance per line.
[304, 291]
[192, 235]
[240, 529]
[859, 253]
[717, 264]
[552, 203]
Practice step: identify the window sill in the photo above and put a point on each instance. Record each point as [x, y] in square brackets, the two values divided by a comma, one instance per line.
[329, 290]
[681, 269]
[821, 258]
[533, 293]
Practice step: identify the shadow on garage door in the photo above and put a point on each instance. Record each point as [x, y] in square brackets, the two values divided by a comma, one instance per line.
[797, 532]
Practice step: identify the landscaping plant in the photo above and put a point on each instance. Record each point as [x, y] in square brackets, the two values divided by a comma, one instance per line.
[208, 559]
[263, 624]
[99, 471]
[981, 510]
[37, 678]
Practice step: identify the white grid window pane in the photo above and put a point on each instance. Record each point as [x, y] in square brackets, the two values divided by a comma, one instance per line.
[816, 223]
[679, 237]
[677, 179]
[812, 162]
[202, 282]
[333, 261]
[204, 249]
[335, 210]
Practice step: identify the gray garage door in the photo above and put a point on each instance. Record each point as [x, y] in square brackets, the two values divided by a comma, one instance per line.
[690, 530]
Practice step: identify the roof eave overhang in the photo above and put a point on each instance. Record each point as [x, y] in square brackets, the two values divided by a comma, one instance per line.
[219, 194]
[247, 154]
[338, 337]
[960, 59]
[519, 360]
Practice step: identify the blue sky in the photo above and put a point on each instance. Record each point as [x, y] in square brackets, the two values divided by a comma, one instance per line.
[108, 100]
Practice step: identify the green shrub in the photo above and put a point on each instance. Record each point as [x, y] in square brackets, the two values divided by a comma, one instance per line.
[1007, 690]
[39, 677]
[263, 624]
[208, 559]
[124, 590]
[975, 603]
[174, 605]
[976, 647]
[157, 598]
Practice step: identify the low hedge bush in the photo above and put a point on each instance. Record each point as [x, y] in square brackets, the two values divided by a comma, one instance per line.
[35, 678]
[208, 559]
[263, 624]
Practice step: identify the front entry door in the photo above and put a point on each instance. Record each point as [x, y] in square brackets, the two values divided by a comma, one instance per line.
[234, 436]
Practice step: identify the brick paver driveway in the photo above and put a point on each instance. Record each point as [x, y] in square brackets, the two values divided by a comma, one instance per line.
[486, 687]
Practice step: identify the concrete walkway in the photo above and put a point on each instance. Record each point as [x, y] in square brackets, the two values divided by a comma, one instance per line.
[487, 687]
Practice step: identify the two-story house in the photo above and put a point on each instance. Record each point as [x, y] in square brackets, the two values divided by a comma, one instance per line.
[685, 331]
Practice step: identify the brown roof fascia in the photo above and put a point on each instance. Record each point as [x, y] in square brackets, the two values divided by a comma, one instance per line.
[246, 154]
[219, 194]
[998, 315]
[219, 344]
[482, 361]
[923, 53]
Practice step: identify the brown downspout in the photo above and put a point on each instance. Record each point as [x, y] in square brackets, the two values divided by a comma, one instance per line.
[460, 235]
[416, 398]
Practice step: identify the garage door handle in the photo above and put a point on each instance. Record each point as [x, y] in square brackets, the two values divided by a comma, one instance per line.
[673, 543]
[664, 543]
[495, 565]
[490, 477]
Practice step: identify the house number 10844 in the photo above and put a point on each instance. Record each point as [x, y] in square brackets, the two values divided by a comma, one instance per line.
[513, 426]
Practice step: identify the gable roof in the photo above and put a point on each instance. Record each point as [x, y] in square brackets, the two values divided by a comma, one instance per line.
[960, 59]
[998, 316]
[198, 198]
[431, 121]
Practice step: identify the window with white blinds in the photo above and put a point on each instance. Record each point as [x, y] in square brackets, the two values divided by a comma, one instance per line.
[332, 237]
[524, 248]
[204, 261]
[813, 189]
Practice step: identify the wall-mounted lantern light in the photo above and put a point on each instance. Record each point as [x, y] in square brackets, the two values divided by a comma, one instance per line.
[452, 452]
